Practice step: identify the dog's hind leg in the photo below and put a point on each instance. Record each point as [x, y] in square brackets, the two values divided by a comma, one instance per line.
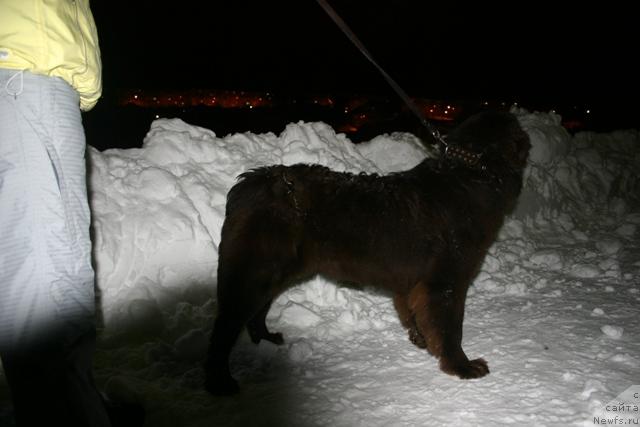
[241, 294]
[238, 302]
[250, 273]
[438, 308]
[257, 327]
[408, 320]
[218, 379]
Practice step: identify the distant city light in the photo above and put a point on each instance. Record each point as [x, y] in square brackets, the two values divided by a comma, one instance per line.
[359, 110]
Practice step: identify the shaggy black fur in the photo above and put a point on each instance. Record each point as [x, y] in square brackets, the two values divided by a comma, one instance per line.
[420, 234]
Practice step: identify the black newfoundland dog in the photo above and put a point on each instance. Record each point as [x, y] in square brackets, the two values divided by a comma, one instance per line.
[421, 235]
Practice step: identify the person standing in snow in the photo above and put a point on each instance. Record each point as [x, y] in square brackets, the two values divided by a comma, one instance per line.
[50, 70]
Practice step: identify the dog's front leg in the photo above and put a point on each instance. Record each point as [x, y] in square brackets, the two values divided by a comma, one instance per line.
[438, 307]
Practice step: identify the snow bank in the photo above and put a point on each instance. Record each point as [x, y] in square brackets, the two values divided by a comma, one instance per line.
[158, 210]
[579, 176]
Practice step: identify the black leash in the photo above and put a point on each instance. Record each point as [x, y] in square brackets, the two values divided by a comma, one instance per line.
[433, 132]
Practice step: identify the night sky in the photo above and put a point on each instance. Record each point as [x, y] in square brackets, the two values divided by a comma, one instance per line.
[541, 55]
[531, 50]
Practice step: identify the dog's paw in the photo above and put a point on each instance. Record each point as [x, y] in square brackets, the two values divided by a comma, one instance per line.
[417, 339]
[477, 368]
[221, 386]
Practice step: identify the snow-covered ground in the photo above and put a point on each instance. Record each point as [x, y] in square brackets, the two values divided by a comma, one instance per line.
[555, 309]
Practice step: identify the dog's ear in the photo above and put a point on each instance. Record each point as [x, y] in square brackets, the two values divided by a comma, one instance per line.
[482, 131]
[497, 135]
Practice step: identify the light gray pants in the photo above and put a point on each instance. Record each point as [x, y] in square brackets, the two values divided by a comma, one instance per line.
[47, 306]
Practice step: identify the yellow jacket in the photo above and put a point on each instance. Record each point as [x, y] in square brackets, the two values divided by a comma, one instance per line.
[55, 38]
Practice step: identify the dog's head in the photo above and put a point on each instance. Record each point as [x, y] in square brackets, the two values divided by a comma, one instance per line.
[496, 136]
